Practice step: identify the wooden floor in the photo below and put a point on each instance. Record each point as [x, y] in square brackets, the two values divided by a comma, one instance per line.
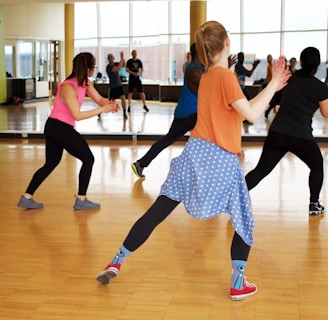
[50, 257]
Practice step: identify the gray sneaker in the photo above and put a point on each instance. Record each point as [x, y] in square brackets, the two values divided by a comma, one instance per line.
[29, 203]
[85, 204]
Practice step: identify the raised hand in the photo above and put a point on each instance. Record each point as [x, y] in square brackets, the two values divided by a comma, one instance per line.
[232, 60]
[280, 72]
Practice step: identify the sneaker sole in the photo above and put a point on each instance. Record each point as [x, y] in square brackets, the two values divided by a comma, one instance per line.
[136, 172]
[242, 296]
[29, 207]
[84, 208]
[106, 276]
[314, 213]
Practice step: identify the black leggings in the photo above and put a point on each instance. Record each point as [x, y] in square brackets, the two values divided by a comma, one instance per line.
[276, 146]
[60, 136]
[178, 128]
[157, 213]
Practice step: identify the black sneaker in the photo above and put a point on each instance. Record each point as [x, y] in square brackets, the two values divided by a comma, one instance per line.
[315, 208]
[145, 108]
[125, 116]
[129, 109]
[137, 169]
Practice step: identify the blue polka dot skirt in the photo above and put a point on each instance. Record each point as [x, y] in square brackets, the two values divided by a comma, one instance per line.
[209, 180]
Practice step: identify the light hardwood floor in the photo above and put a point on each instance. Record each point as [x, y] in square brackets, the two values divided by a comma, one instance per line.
[50, 257]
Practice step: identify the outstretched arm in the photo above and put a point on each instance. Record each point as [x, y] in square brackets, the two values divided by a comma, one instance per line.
[253, 108]
[68, 95]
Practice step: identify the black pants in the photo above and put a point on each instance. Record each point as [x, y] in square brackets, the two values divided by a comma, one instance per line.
[178, 128]
[60, 136]
[276, 146]
[157, 213]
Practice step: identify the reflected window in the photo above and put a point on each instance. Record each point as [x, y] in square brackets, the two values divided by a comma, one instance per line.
[85, 20]
[261, 16]
[159, 31]
[25, 61]
[227, 13]
[306, 15]
[42, 61]
[180, 17]
[145, 18]
[114, 19]
[10, 60]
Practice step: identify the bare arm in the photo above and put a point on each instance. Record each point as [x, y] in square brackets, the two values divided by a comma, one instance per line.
[68, 95]
[323, 106]
[193, 76]
[120, 64]
[253, 108]
[242, 70]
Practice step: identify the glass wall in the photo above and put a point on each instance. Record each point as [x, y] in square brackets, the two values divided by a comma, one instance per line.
[274, 27]
[161, 39]
[159, 31]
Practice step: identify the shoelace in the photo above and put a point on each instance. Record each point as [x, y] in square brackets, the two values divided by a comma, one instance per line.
[247, 284]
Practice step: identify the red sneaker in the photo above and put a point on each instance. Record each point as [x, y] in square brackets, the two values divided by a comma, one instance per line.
[111, 271]
[249, 290]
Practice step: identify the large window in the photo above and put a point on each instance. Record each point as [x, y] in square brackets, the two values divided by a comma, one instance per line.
[159, 31]
[275, 27]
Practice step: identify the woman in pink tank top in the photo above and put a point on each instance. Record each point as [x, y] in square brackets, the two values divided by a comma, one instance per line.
[61, 135]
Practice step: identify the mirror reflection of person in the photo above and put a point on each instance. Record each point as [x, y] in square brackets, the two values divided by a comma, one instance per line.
[188, 60]
[115, 85]
[134, 68]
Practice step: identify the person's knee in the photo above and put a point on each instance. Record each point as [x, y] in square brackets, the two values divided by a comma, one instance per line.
[88, 159]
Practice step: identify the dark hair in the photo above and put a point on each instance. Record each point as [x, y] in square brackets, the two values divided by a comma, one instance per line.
[241, 56]
[310, 60]
[81, 63]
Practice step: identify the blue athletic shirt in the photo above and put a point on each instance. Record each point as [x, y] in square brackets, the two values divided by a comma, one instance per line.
[187, 102]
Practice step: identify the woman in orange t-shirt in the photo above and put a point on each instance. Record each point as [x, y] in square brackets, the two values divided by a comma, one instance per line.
[207, 176]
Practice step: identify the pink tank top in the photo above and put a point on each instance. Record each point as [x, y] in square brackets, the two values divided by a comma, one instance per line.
[60, 110]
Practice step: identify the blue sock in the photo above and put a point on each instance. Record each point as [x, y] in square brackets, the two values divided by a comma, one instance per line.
[121, 255]
[238, 270]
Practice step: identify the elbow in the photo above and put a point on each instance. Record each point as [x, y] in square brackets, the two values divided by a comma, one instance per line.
[324, 114]
[78, 117]
[252, 118]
